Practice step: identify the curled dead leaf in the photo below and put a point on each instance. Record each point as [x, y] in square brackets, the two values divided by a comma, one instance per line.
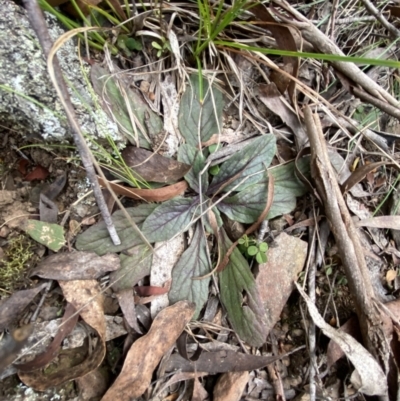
[152, 166]
[85, 296]
[150, 195]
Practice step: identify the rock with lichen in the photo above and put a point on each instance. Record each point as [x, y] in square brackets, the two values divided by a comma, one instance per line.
[28, 101]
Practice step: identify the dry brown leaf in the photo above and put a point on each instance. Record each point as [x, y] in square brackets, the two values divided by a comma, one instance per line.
[11, 307]
[391, 275]
[271, 98]
[126, 301]
[360, 173]
[178, 377]
[152, 166]
[13, 344]
[76, 266]
[146, 353]
[86, 297]
[84, 6]
[150, 195]
[93, 385]
[392, 222]
[199, 392]
[220, 362]
[285, 41]
[276, 277]
[69, 321]
[230, 386]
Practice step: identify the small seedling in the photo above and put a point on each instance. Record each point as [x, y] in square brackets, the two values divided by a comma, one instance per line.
[250, 248]
[161, 48]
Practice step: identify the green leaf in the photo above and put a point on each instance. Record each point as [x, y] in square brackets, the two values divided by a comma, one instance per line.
[148, 122]
[97, 239]
[193, 263]
[214, 170]
[190, 155]
[133, 268]
[261, 257]
[214, 148]
[254, 157]
[50, 235]
[247, 205]
[263, 247]
[168, 219]
[240, 297]
[133, 44]
[197, 120]
[252, 250]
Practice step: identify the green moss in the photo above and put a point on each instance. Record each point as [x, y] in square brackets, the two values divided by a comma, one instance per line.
[18, 258]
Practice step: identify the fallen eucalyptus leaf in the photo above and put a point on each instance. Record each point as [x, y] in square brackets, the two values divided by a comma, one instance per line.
[392, 222]
[220, 362]
[76, 266]
[230, 386]
[147, 351]
[153, 167]
[12, 306]
[86, 297]
[149, 195]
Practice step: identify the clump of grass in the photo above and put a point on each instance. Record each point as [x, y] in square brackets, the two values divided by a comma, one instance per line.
[18, 258]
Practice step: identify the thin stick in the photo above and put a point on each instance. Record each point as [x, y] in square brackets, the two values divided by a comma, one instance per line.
[394, 32]
[38, 23]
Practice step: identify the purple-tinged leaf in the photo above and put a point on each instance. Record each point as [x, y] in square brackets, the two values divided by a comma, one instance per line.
[195, 158]
[97, 238]
[169, 219]
[199, 119]
[247, 205]
[240, 297]
[135, 265]
[253, 158]
[194, 262]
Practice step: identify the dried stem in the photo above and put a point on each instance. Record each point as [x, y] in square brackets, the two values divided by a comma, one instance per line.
[348, 242]
[38, 23]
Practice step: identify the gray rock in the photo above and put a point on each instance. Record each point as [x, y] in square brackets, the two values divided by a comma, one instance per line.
[28, 101]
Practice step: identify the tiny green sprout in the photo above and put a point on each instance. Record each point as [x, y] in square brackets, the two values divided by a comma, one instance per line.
[214, 170]
[250, 248]
[127, 44]
[213, 148]
[161, 48]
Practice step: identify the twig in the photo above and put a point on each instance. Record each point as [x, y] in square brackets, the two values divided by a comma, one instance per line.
[324, 45]
[312, 342]
[380, 104]
[348, 243]
[38, 23]
[41, 302]
[378, 15]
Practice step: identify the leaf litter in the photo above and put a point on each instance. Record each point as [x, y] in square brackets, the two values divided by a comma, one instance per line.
[201, 175]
